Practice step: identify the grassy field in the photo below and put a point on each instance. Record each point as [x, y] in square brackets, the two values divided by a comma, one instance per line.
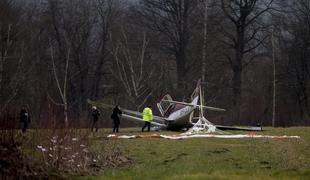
[212, 158]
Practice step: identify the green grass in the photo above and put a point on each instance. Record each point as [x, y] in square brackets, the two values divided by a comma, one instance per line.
[212, 158]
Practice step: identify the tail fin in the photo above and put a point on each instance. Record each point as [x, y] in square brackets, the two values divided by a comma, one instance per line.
[196, 91]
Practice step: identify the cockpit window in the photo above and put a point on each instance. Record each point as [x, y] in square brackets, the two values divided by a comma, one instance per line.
[165, 107]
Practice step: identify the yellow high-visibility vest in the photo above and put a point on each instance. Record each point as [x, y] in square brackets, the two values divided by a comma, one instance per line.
[147, 114]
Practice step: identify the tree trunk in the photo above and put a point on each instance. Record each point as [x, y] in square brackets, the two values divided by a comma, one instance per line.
[237, 83]
[66, 115]
[307, 108]
[98, 75]
[180, 61]
[96, 83]
[97, 79]
[301, 109]
[305, 99]
[1, 72]
[237, 73]
[83, 86]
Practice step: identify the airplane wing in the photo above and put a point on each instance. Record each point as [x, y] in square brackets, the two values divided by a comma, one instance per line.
[139, 114]
[188, 104]
[141, 120]
[239, 128]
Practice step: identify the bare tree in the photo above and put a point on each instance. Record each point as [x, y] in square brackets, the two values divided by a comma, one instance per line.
[243, 38]
[108, 10]
[74, 20]
[174, 21]
[79, 21]
[297, 47]
[133, 71]
[12, 52]
[61, 89]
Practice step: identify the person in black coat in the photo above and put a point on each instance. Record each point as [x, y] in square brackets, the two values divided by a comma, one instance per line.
[116, 119]
[95, 114]
[24, 118]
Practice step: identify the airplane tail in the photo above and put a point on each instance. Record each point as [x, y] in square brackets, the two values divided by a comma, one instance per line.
[166, 104]
[196, 91]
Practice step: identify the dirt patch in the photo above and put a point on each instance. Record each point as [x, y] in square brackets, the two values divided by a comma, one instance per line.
[219, 151]
[172, 159]
[265, 164]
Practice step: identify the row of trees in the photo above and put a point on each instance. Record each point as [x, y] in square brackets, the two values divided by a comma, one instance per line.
[252, 55]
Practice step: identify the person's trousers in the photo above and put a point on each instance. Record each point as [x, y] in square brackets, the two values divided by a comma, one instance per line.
[24, 125]
[115, 127]
[148, 125]
[94, 125]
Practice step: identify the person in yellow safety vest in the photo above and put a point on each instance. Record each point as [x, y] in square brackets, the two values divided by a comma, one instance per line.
[147, 117]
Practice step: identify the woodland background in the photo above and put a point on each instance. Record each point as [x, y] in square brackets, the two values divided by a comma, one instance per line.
[57, 54]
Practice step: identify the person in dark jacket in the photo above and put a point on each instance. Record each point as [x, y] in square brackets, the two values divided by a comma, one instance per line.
[95, 114]
[116, 119]
[24, 118]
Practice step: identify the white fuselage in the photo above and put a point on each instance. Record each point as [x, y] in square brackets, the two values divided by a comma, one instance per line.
[182, 118]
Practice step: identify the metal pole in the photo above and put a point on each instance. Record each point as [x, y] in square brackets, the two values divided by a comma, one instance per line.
[204, 48]
[274, 81]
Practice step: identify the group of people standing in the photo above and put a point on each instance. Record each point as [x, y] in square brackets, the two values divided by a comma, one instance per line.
[115, 116]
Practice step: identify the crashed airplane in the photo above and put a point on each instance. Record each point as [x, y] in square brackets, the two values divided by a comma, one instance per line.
[179, 115]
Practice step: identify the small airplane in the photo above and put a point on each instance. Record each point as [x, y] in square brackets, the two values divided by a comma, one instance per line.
[177, 115]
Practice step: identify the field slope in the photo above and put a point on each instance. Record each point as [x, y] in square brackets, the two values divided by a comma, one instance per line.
[211, 158]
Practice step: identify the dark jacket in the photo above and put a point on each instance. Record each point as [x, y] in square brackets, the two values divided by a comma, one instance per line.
[96, 114]
[115, 116]
[24, 116]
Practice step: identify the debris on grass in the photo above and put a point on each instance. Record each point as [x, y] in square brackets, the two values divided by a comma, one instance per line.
[179, 137]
